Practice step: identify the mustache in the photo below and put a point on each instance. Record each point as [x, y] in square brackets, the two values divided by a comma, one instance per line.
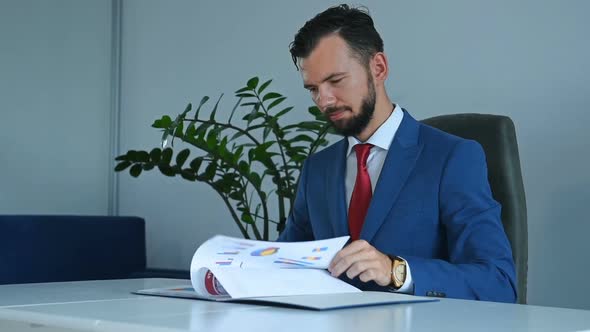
[331, 109]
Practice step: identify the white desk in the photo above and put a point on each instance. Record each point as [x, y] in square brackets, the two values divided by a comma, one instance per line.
[109, 306]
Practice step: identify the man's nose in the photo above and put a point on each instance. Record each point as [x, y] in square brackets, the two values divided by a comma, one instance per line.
[325, 98]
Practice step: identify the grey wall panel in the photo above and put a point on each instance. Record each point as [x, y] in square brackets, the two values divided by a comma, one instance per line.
[54, 106]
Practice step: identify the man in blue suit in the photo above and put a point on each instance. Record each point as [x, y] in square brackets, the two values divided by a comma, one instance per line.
[415, 200]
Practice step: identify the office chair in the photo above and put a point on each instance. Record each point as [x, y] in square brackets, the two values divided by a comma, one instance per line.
[497, 136]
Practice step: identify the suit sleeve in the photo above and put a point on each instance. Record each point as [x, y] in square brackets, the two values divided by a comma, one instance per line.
[298, 227]
[480, 264]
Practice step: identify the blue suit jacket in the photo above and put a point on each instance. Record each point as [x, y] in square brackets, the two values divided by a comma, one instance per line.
[432, 205]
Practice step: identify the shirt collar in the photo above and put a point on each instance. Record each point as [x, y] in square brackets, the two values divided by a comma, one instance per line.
[383, 137]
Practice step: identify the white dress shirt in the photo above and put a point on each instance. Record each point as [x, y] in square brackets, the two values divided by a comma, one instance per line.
[381, 140]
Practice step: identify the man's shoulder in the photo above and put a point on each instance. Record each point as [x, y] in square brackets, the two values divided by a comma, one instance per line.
[441, 143]
[432, 135]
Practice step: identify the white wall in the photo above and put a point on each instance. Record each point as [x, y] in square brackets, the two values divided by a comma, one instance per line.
[54, 106]
[526, 59]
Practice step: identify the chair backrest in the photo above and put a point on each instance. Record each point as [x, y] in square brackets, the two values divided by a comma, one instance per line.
[41, 248]
[497, 136]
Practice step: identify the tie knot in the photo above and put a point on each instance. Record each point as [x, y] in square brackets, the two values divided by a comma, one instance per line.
[362, 153]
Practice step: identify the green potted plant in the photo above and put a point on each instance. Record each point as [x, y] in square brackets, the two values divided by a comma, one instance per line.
[251, 163]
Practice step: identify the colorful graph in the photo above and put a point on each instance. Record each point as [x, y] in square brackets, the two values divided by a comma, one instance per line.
[225, 262]
[320, 249]
[312, 258]
[245, 244]
[294, 262]
[233, 248]
[228, 253]
[265, 251]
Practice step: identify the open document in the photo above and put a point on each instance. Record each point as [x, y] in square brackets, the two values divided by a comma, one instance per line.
[291, 274]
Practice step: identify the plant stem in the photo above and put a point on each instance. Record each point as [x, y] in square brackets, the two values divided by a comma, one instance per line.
[230, 162]
[287, 172]
[234, 215]
[246, 203]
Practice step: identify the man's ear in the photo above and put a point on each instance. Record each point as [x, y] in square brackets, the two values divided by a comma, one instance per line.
[379, 67]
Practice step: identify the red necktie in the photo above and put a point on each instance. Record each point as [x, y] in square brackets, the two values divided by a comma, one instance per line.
[362, 193]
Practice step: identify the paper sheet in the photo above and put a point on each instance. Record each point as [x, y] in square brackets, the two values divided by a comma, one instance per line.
[258, 268]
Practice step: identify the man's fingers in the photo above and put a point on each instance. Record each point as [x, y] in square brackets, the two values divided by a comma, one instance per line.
[344, 263]
[350, 249]
[361, 259]
[360, 268]
[368, 275]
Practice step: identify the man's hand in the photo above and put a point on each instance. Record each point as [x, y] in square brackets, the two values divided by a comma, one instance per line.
[362, 259]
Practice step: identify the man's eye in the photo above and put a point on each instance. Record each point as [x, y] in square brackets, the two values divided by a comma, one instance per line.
[335, 81]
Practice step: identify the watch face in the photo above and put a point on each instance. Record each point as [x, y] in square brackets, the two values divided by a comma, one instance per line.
[400, 272]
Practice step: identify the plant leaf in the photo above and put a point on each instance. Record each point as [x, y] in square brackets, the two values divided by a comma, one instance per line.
[271, 95]
[135, 170]
[231, 115]
[122, 166]
[250, 104]
[162, 123]
[166, 156]
[202, 128]
[245, 95]
[211, 140]
[244, 89]
[181, 157]
[236, 135]
[276, 102]
[238, 153]
[142, 156]
[315, 111]
[263, 86]
[244, 167]
[165, 138]
[266, 132]
[203, 101]
[302, 137]
[255, 179]
[155, 155]
[186, 110]
[247, 218]
[212, 117]
[283, 112]
[148, 166]
[166, 170]
[188, 174]
[210, 171]
[179, 130]
[309, 125]
[252, 83]
[196, 164]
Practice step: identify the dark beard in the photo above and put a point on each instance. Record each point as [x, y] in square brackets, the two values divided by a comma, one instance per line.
[358, 123]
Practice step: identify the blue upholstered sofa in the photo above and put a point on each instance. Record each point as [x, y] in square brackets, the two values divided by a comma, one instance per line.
[42, 248]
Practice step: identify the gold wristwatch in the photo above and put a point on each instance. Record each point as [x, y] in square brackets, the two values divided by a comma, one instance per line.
[398, 272]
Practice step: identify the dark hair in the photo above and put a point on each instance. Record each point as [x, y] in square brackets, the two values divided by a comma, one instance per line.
[354, 25]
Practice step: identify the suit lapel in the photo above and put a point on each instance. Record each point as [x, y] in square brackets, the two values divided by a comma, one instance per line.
[336, 192]
[400, 161]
